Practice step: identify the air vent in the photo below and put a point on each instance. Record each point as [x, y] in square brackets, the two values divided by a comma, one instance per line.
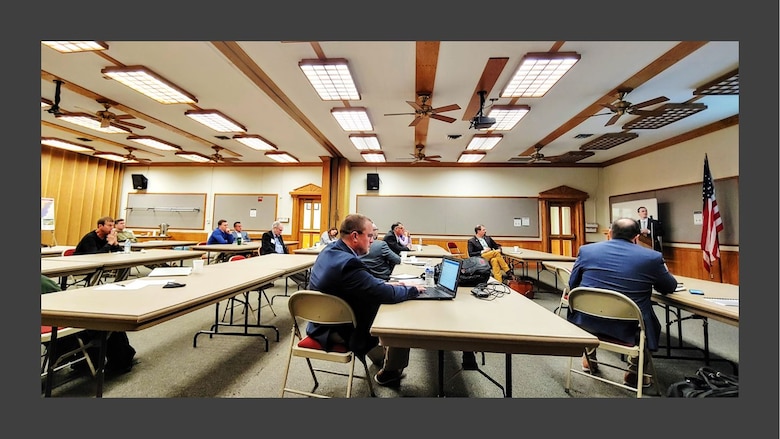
[571, 156]
[727, 84]
[83, 139]
[582, 136]
[608, 141]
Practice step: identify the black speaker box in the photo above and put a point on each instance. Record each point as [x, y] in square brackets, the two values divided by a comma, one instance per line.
[139, 181]
[372, 182]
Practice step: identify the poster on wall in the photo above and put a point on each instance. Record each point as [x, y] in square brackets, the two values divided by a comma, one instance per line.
[47, 213]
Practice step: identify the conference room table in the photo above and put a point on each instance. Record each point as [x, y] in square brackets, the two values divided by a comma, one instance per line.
[137, 304]
[55, 250]
[288, 264]
[425, 251]
[62, 267]
[160, 243]
[510, 324]
[524, 256]
[229, 249]
[113, 261]
[716, 303]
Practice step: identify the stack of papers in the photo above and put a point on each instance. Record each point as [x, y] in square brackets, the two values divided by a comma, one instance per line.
[724, 302]
[171, 271]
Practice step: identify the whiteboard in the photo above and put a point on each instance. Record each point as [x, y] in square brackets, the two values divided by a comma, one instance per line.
[47, 213]
[628, 209]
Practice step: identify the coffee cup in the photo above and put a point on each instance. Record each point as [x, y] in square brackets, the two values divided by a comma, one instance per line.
[404, 254]
[419, 247]
[197, 265]
[516, 249]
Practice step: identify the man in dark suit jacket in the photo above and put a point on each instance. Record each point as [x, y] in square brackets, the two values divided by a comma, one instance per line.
[650, 228]
[619, 264]
[339, 271]
[483, 245]
[272, 242]
[393, 239]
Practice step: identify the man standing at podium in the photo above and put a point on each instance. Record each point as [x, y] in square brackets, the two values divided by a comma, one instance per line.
[650, 229]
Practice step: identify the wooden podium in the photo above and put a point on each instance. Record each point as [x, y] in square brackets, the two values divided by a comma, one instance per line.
[646, 241]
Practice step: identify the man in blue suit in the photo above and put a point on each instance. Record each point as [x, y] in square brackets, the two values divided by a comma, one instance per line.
[339, 271]
[619, 264]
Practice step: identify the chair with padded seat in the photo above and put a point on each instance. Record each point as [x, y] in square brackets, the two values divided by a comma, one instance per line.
[70, 280]
[563, 275]
[74, 355]
[453, 248]
[314, 306]
[613, 305]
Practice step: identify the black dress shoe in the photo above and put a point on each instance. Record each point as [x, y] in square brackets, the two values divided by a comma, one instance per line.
[469, 361]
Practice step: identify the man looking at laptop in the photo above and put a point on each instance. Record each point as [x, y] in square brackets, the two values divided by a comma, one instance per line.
[339, 271]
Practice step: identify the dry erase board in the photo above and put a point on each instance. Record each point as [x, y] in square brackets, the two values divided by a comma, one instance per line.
[677, 206]
[502, 216]
[255, 211]
[179, 211]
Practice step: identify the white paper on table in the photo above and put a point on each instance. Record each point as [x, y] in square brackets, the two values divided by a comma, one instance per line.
[134, 285]
[403, 276]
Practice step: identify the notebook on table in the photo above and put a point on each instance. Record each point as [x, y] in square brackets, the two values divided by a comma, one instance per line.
[171, 271]
[447, 285]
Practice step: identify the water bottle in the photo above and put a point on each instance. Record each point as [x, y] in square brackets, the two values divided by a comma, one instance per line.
[127, 246]
[419, 241]
[429, 276]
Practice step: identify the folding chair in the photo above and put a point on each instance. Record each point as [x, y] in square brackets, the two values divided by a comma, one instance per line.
[232, 301]
[453, 248]
[313, 306]
[616, 306]
[74, 355]
[563, 277]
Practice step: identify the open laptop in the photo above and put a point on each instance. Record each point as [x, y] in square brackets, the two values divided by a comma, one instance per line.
[447, 285]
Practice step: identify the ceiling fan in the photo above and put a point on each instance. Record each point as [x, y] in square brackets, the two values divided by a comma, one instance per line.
[131, 158]
[419, 156]
[621, 106]
[217, 157]
[423, 110]
[107, 118]
[535, 157]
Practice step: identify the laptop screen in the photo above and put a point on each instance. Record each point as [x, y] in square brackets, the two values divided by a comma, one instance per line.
[448, 277]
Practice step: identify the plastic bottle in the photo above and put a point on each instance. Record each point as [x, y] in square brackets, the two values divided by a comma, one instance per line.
[419, 241]
[128, 244]
[429, 276]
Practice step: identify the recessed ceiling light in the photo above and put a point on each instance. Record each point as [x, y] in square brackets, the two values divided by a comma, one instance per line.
[62, 144]
[255, 142]
[538, 72]
[76, 46]
[373, 156]
[150, 84]
[194, 156]
[155, 143]
[331, 79]
[281, 157]
[215, 120]
[483, 142]
[507, 116]
[365, 142]
[352, 118]
[471, 156]
[89, 121]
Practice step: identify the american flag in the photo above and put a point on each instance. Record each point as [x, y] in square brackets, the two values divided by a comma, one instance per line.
[712, 223]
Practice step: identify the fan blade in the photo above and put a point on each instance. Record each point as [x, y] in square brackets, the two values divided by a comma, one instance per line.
[446, 108]
[124, 116]
[415, 105]
[130, 124]
[647, 112]
[416, 120]
[428, 159]
[612, 120]
[657, 100]
[443, 118]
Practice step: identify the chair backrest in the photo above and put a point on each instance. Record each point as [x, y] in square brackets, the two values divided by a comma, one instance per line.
[317, 307]
[605, 303]
[203, 243]
[453, 248]
[68, 252]
[563, 277]
[236, 258]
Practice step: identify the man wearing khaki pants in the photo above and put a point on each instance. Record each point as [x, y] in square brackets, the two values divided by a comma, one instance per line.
[484, 246]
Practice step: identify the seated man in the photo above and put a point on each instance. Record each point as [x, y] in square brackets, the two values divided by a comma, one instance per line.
[101, 240]
[238, 230]
[221, 235]
[620, 265]
[122, 233]
[339, 271]
[380, 260]
[484, 246]
[274, 243]
[396, 239]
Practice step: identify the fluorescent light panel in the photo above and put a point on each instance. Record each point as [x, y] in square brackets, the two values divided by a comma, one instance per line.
[281, 157]
[507, 116]
[215, 120]
[255, 142]
[483, 142]
[365, 142]
[155, 143]
[373, 156]
[471, 156]
[62, 144]
[89, 121]
[111, 156]
[194, 156]
[330, 78]
[76, 46]
[352, 118]
[537, 74]
[148, 83]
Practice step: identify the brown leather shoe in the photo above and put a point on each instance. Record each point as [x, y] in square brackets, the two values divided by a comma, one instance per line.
[629, 379]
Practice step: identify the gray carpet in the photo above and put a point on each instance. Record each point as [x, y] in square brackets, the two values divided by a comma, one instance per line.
[168, 366]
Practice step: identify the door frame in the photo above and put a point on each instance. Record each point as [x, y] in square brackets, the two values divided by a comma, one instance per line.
[564, 195]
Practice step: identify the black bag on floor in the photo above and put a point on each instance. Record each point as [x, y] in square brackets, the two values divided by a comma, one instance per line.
[475, 270]
[708, 383]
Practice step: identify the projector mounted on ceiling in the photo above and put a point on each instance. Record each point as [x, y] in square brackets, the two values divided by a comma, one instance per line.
[480, 121]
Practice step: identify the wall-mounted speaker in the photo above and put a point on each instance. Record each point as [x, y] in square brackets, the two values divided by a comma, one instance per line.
[372, 182]
[140, 182]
